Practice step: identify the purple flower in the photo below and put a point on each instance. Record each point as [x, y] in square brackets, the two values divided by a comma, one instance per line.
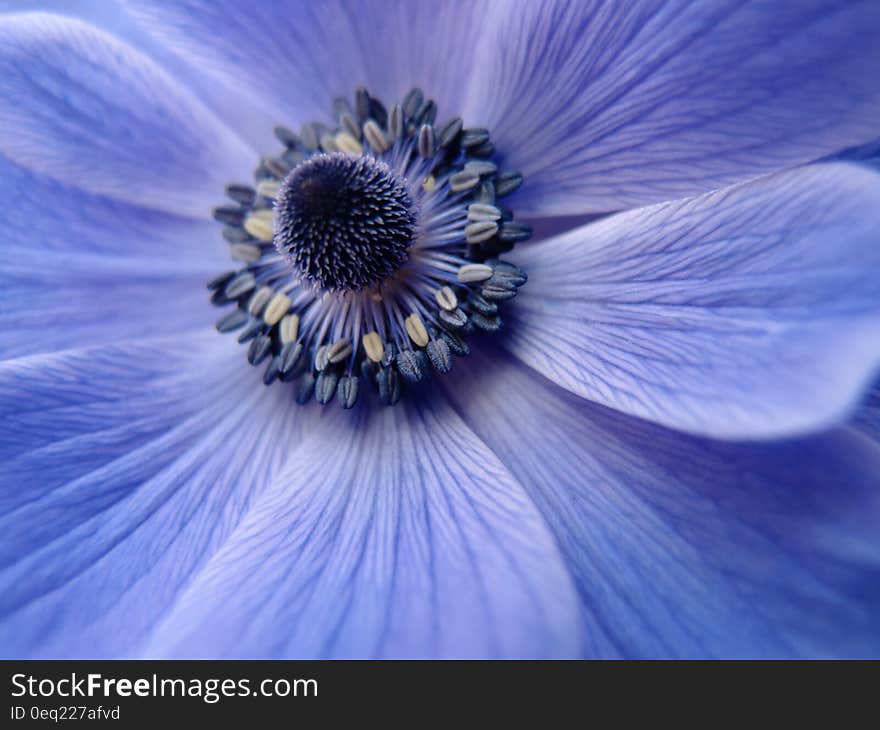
[666, 451]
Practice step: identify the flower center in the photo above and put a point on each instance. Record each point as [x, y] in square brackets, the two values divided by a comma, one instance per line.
[370, 250]
[343, 222]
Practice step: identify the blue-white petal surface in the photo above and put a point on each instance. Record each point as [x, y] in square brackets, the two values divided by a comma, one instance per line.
[403, 536]
[609, 105]
[753, 311]
[687, 547]
[166, 503]
[123, 468]
[82, 269]
[291, 58]
[85, 109]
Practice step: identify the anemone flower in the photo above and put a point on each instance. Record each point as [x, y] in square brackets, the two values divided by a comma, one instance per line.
[665, 451]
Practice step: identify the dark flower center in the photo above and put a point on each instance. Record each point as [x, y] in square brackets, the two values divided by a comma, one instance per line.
[344, 222]
[370, 250]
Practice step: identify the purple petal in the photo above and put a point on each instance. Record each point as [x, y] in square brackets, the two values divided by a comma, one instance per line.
[295, 56]
[85, 109]
[612, 105]
[686, 547]
[867, 154]
[122, 470]
[80, 269]
[107, 15]
[111, 16]
[399, 534]
[867, 417]
[749, 312]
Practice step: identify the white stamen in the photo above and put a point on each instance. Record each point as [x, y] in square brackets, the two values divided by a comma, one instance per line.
[277, 308]
[289, 328]
[268, 188]
[446, 298]
[470, 273]
[415, 328]
[347, 143]
[259, 300]
[259, 225]
[373, 346]
[375, 136]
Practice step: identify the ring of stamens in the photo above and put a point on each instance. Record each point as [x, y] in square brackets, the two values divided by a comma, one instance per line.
[369, 250]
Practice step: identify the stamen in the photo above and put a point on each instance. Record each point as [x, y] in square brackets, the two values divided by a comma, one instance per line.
[415, 328]
[472, 273]
[276, 309]
[369, 250]
[373, 346]
[289, 328]
[481, 231]
[446, 298]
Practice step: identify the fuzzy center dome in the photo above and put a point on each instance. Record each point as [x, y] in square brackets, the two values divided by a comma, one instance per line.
[344, 223]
